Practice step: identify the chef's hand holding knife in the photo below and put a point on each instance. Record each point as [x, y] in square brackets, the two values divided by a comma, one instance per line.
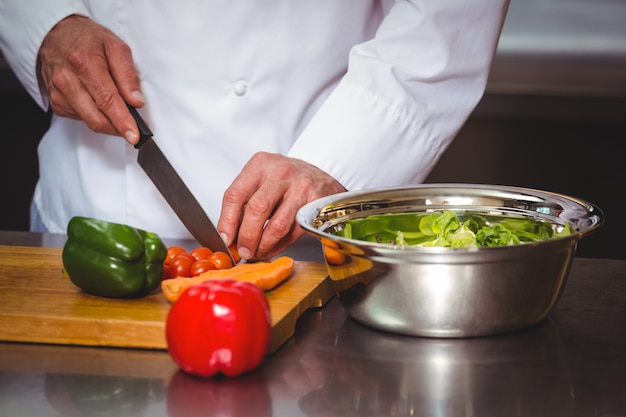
[88, 74]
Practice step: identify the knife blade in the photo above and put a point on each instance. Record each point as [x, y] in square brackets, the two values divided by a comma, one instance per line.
[174, 190]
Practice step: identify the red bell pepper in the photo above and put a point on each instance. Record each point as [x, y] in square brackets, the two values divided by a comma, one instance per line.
[219, 326]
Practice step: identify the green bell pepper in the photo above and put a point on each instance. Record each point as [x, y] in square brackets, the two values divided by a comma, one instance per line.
[112, 259]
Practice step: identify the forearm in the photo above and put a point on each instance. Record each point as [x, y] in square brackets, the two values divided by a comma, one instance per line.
[406, 94]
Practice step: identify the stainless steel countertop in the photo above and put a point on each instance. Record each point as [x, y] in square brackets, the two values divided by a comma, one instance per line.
[573, 364]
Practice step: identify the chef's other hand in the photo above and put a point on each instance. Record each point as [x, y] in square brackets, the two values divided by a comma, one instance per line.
[259, 208]
[88, 74]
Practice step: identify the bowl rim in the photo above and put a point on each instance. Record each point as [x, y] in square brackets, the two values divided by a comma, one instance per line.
[313, 209]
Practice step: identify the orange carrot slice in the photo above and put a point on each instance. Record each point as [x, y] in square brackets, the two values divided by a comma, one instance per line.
[266, 275]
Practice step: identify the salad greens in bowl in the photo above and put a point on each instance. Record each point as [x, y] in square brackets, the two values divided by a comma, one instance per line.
[449, 260]
[450, 229]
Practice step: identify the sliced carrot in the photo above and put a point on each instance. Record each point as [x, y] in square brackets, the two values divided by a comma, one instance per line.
[266, 275]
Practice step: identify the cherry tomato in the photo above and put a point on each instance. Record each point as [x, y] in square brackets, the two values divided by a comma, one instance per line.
[172, 251]
[235, 253]
[221, 260]
[167, 274]
[181, 265]
[201, 253]
[201, 266]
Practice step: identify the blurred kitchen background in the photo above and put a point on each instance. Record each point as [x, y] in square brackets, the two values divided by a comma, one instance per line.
[553, 117]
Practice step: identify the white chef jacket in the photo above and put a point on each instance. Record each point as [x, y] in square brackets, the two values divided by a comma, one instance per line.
[370, 91]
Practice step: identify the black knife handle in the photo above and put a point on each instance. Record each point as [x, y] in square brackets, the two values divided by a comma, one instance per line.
[144, 131]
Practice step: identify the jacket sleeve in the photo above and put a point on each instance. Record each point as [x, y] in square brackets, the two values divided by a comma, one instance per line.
[23, 25]
[406, 94]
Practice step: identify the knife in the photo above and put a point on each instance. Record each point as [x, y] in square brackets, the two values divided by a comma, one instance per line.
[174, 190]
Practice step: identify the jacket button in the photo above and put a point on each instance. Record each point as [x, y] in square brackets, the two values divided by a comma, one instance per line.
[240, 88]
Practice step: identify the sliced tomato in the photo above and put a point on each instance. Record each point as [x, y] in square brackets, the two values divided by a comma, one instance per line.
[201, 266]
[181, 265]
[201, 253]
[235, 253]
[221, 260]
[172, 252]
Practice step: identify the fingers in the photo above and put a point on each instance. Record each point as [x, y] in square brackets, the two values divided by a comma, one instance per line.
[234, 202]
[126, 79]
[271, 243]
[259, 209]
[265, 221]
[88, 74]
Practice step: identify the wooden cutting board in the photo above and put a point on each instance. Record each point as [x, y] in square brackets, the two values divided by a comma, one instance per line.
[41, 305]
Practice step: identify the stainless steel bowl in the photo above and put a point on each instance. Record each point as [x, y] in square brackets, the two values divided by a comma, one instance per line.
[449, 292]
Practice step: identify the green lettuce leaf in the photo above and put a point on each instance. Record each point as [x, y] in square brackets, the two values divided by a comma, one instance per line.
[447, 229]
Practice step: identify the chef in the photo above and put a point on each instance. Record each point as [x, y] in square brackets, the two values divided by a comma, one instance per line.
[260, 107]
